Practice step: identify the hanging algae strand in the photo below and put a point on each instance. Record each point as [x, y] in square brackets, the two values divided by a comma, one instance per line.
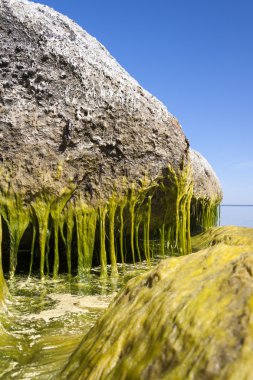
[41, 206]
[132, 202]
[122, 205]
[205, 213]
[140, 213]
[16, 216]
[112, 206]
[103, 257]
[175, 232]
[32, 250]
[86, 220]
[56, 209]
[3, 287]
[68, 218]
[184, 195]
[146, 239]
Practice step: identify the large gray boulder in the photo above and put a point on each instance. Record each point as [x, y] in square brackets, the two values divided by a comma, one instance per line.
[69, 110]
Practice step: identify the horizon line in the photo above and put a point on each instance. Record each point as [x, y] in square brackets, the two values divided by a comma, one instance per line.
[238, 205]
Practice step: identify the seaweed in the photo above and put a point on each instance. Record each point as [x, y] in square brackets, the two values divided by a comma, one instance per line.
[162, 208]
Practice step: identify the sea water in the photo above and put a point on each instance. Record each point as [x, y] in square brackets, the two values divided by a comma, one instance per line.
[46, 320]
[236, 215]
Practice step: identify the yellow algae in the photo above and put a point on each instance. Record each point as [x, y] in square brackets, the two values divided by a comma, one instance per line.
[139, 213]
[86, 221]
[230, 235]
[17, 217]
[112, 206]
[57, 206]
[3, 287]
[68, 219]
[204, 329]
[205, 213]
[102, 231]
[41, 206]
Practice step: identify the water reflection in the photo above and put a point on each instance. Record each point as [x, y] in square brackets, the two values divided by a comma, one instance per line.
[47, 319]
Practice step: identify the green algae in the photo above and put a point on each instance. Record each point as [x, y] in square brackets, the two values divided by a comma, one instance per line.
[151, 209]
[41, 206]
[204, 329]
[56, 210]
[86, 220]
[3, 288]
[204, 213]
[132, 203]
[32, 249]
[112, 207]
[175, 230]
[16, 216]
[122, 205]
[102, 231]
[68, 220]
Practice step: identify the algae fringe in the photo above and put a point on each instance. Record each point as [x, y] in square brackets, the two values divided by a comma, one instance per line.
[116, 230]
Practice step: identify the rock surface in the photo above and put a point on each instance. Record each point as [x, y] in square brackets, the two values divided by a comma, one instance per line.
[206, 182]
[189, 318]
[69, 111]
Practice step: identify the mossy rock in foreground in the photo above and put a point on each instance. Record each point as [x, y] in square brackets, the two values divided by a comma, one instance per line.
[189, 318]
[231, 235]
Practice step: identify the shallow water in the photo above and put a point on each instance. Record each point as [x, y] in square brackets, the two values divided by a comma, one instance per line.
[46, 320]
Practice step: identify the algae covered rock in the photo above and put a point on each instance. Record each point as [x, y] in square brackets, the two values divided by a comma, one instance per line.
[231, 235]
[189, 318]
[88, 159]
[206, 183]
[207, 193]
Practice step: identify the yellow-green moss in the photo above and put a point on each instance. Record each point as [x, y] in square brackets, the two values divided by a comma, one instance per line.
[189, 318]
[230, 235]
[3, 288]
[16, 216]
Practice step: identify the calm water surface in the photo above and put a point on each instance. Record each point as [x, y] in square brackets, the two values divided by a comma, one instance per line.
[237, 215]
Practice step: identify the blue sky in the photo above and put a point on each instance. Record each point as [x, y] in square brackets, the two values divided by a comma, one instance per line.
[196, 56]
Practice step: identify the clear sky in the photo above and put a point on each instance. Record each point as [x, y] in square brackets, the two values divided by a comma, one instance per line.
[196, 56]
